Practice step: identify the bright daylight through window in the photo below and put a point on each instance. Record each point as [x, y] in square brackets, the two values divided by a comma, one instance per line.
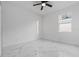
[65, 23]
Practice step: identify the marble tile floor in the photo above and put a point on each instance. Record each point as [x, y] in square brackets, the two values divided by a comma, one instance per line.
[40, 48]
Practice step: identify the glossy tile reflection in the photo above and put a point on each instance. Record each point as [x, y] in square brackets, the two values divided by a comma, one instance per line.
[41, 48]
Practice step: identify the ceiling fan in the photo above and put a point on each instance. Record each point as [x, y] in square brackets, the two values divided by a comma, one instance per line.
[43, 4]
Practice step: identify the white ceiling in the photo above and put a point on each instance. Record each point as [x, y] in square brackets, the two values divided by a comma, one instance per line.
[57, 5]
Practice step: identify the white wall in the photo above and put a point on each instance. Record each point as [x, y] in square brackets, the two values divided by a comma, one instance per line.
[50, 26]
[0, 30]
[19, 25]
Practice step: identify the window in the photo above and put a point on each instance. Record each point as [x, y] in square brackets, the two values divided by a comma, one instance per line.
[65, 23]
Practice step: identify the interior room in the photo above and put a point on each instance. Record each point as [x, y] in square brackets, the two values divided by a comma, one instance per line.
[40, 28]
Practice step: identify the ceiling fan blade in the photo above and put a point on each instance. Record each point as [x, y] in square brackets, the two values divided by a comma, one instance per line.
[49, 5]
[44, 1]
[41, 7]
[37, 4]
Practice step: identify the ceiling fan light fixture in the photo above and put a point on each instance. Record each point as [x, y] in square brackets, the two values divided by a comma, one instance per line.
[43, 4]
